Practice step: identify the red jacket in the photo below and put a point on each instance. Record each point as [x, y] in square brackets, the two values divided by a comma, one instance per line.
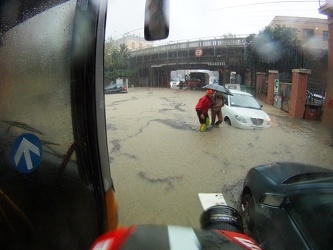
[203, 104]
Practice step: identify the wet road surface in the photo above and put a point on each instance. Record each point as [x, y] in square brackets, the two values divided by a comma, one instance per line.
[160, 161]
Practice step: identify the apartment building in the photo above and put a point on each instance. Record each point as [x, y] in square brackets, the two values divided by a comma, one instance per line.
[312, 31]
[134, 42]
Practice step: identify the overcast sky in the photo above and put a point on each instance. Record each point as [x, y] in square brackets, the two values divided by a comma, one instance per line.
[193, 19]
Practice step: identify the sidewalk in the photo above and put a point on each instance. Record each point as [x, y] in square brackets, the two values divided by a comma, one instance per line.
[272, 110]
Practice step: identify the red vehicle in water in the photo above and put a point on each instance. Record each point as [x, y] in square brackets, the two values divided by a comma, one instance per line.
[194, 84]
[196, 80]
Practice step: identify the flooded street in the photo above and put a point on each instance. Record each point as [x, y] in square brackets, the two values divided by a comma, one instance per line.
[160, 161]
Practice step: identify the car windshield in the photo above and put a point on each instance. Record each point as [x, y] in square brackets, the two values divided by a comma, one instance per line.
[313, 213]
[243, 101]
[154, 132]
[159, 157]
[107, 102]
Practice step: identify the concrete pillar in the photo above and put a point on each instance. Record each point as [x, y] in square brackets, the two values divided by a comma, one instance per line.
[150, 78]
[272, 75]
[259, 79]
[300, 78]
[327, 118]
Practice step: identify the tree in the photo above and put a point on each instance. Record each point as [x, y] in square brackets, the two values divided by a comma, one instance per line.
[274, 48]
[229, 35]
[116, 60]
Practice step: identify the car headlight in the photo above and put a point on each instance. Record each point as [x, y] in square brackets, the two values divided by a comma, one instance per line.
[240, 118]
[269, 121]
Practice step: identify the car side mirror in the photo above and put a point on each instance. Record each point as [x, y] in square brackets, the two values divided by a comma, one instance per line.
[156, 26]
[272, 200]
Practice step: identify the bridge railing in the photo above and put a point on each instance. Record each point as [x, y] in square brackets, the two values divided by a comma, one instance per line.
[221, 42]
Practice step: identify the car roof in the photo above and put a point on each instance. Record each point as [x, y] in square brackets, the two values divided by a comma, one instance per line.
[111, 85]
[235, 91]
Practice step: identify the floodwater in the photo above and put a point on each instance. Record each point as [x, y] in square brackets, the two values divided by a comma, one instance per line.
[160, 160]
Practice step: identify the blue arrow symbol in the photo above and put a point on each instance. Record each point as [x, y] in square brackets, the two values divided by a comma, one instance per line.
[24, 150]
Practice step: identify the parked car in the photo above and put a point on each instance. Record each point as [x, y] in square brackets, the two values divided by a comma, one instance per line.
[289, 206]
[174, 83]
[233, 86]
[115, 88]
[315, 99]
[242, 110]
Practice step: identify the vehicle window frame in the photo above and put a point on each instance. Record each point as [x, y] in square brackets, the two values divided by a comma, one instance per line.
[292, 207]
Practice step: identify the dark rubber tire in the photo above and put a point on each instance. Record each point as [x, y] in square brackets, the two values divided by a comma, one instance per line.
[248, 211]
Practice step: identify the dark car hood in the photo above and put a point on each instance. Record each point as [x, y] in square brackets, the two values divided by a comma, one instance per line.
[279, 172]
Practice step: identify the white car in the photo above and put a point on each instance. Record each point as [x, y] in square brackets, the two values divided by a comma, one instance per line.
[174, 83]
[242, 110]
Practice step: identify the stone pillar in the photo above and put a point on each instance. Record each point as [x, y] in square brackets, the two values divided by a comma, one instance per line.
[272, 75]
[327, 118]
[260, 77]
[259, 80]
[299, 86]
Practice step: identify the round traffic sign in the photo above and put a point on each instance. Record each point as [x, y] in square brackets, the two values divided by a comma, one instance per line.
[198, 52]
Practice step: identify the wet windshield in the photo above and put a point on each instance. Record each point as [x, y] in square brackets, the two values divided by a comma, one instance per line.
[73, 147]
[244, 101]
[159, 158]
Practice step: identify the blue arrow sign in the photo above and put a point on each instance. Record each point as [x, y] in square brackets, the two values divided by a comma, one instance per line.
[26, 153]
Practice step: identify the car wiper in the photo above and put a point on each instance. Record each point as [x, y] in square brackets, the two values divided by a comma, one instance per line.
[22, 126]
[249, 107]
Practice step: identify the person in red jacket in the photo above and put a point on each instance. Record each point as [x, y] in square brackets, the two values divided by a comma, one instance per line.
[202, 108]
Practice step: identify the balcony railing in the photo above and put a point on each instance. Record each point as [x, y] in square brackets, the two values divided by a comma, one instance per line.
[322, 2]
[326, 7]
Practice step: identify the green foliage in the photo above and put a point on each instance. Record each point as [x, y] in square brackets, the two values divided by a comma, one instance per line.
[116, 61]
[274, 48]
[229, 35]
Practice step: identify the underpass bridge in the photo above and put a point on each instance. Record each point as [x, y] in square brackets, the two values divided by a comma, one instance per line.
[152, 66]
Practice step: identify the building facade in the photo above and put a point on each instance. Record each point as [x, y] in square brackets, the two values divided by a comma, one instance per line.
[313, 32]
[134, 42]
